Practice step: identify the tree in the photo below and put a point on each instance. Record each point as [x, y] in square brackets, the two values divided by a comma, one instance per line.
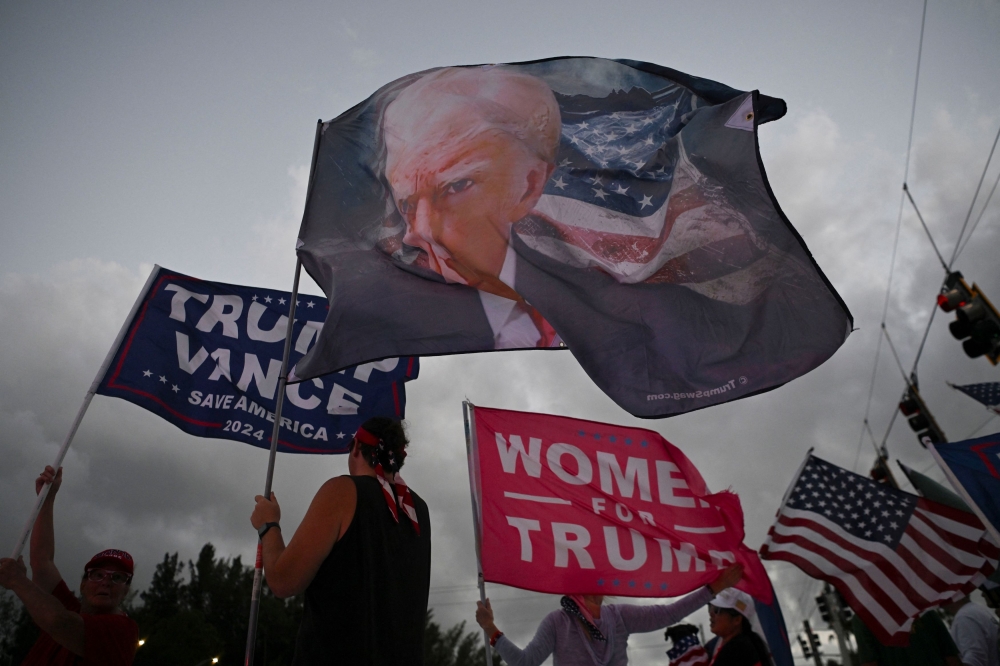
[453, 647]
[17, 632]
[166, 590]
[207, 616]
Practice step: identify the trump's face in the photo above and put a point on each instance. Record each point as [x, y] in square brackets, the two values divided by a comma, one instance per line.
[460, 201]
[468, 152]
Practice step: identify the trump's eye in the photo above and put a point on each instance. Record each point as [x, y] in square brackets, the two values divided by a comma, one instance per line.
[456, 186]
[404, 207]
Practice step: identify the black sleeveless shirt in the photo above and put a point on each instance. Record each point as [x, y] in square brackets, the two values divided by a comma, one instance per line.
[368, 601]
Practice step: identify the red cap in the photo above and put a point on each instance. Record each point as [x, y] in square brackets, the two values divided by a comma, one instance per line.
[111, 556]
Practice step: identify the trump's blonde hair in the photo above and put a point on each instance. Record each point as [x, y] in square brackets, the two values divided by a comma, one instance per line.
[449, 106]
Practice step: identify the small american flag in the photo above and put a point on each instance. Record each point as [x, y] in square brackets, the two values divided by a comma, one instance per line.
[891, 554]
[688, 651]
[987, 393]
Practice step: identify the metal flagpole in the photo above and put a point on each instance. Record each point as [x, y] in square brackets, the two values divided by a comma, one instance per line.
[258, 572]
[44, 493]
[472, 451]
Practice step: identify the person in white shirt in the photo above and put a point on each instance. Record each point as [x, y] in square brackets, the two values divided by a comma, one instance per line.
[974, 630]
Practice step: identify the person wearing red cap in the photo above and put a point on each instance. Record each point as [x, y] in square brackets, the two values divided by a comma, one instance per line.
[362, 555]
[87, 631]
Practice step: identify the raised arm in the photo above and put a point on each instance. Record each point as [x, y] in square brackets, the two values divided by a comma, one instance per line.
[289, 569]
[64, 626]
[534, 653]
[639, 619]
[43, 538]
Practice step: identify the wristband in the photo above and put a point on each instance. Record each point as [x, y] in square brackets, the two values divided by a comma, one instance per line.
[495, 637]
[265, 527]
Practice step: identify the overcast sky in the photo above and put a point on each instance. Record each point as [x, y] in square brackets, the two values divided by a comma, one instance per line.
[181, 133]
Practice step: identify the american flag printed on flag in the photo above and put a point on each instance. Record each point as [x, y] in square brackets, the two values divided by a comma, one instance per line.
[626, 199]
[688, 651]
[987, 393]
[891, 554]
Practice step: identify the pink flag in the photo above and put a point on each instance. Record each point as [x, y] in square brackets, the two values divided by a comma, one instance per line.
[577, 507]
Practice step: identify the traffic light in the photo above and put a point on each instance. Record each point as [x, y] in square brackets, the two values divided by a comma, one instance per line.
[846, 612]
[824, 609]
[806, 652]
[879, 472]
[977, 322]
[955, 293]
[921, 422]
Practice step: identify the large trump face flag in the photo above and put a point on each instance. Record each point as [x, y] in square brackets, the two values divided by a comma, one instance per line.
[567, 506]
[615, 207]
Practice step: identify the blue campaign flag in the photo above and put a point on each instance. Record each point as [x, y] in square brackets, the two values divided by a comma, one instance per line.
[973, 466]
[206, 357]
[772, 622]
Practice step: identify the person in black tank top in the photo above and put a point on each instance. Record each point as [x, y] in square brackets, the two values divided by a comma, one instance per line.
[362, 555]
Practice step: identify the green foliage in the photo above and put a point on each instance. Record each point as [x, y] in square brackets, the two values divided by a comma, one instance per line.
[17, 632]
[187, 637]
[453, 647]
[206, 616]
[188, 619]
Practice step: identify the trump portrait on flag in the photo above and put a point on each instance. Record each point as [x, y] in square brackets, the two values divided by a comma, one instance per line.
[468, 154]
[616, 208]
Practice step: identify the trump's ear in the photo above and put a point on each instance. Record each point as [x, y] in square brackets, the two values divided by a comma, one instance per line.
[534, 186]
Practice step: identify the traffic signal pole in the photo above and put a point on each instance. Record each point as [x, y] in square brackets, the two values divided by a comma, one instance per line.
[919, 416]
[813, 643]
[837, 622]
[881, 471]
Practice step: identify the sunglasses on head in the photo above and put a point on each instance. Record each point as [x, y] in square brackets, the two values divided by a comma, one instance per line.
[100, 575]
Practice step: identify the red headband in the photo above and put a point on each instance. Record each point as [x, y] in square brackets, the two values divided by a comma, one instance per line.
[366, 437]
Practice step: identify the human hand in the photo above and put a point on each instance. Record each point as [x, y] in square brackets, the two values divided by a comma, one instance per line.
[49, 475]
[12, 571]
[484, 616]
[729, 577]
[266, 511]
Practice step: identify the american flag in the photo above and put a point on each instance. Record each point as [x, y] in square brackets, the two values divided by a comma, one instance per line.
[987, 393]
[688, 651]
[891, 554]
[626, 199]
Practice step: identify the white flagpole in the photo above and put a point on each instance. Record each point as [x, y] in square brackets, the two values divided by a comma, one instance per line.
[30, 523]
[472, 451]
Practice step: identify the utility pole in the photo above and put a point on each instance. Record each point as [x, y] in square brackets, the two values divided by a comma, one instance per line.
[832, 611]
[813, 643]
